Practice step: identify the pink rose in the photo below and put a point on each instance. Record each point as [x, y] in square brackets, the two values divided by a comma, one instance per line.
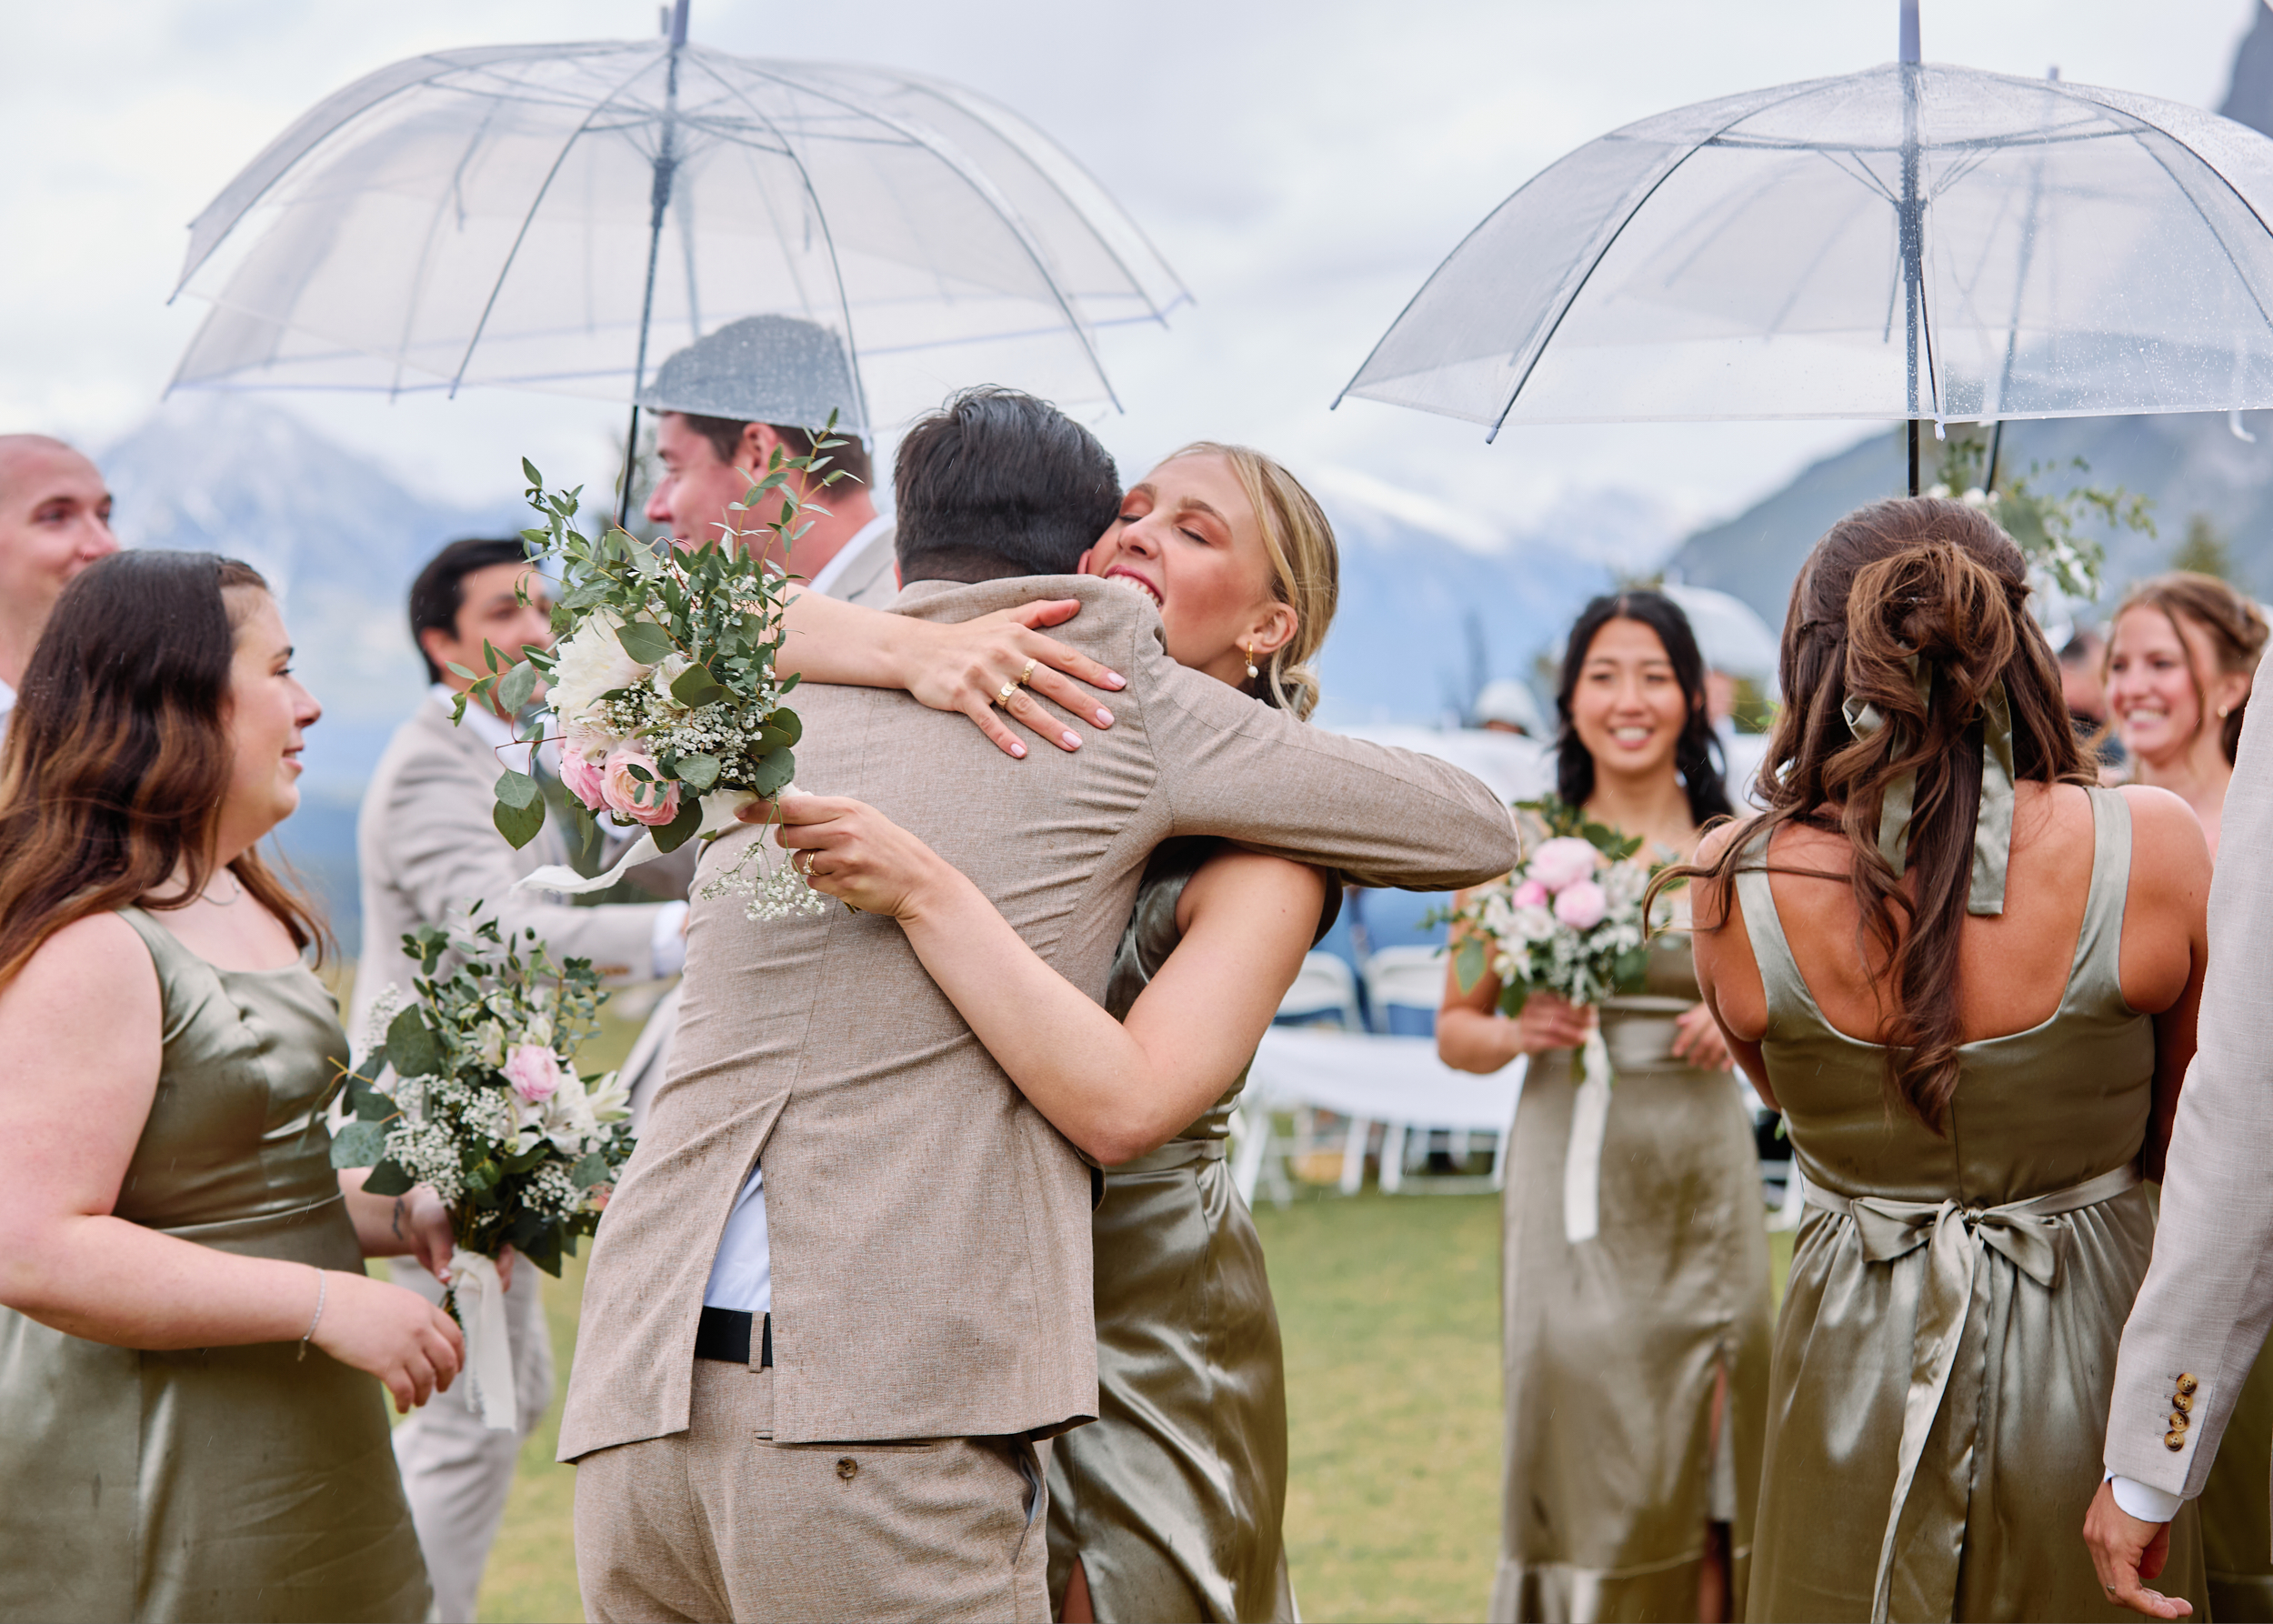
[532, 1071]
[1563, 861]
[583, 779]
[1531, 894]
[1581, 906]
[648, 801]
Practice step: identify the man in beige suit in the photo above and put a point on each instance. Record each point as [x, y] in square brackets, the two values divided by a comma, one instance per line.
[839, 1421]
[426, 848]
[2203, 1311]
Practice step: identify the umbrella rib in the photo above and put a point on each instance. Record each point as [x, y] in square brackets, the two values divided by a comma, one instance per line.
[976, 180]
[953, 95]
[1608, 240]
[2214, 234]
[426, 249]
[535, 202]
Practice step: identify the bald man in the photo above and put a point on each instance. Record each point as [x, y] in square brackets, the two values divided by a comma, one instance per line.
[54, 521]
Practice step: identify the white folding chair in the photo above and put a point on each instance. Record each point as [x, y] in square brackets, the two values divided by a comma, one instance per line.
[1323, 986]
[1413, 977]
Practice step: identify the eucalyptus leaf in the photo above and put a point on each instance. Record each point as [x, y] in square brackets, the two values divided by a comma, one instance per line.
[1469, 963]
[412, 1047]
[388, 1178]
[517, 791]
[644, 641]
[699, 773]
[696, 687]
[529, 470]
[772, 772]
[358, 1145]
[1513, 997]
[518, 688]
[518, 825]
[591, 1170]
[670, 837]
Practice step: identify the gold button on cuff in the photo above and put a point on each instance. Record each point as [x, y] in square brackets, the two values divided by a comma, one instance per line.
[2186, 1385]
[2174, 1441]
[2178, 1422]
[848, 1469]
[2180, 1401]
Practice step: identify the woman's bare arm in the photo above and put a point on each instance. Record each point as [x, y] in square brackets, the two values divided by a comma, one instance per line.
[80, 1052]
[2166, 947]
[1725, 975]
[959, 665]
[1117, 1091]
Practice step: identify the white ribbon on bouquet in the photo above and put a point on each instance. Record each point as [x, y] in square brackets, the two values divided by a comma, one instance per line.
[480, 1297]
[720, 808]
[1582, 1163]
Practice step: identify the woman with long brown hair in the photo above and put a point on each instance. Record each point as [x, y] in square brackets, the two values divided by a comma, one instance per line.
[1969, 978]
[192, 1421]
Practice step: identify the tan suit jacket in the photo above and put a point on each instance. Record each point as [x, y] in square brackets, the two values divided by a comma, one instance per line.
[427, 845]
[929, 1230]
[2207, 1299]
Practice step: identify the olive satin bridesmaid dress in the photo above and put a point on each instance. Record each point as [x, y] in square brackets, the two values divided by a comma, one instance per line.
[223, 1483]
[1615, 1346]
[1946, 1349]
[1172, 1499]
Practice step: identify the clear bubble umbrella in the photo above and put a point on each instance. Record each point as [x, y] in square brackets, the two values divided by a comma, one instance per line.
[563, 217]
[1917, 241]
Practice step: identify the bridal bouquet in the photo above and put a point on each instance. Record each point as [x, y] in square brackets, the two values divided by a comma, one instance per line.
[664, 698]
[486, 1106]
[1571, 921]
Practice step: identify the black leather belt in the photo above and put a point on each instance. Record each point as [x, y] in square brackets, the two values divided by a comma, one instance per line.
[725, 1335]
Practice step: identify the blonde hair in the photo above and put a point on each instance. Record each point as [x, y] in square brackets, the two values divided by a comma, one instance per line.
[2235, 629]
[1305, 568]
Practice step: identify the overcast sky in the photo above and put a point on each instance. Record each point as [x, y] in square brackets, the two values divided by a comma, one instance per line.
[1303, 166]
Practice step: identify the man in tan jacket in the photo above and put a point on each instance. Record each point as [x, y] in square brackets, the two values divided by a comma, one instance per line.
[857, 1440]
[426, 848]
[2202, 1312]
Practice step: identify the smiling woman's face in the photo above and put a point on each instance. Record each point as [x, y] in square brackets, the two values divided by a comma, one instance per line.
[269, 712]
[1189, 538]
[1627, 707]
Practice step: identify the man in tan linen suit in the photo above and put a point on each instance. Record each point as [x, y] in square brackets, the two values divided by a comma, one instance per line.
[2202, 1312]
[928, 1229]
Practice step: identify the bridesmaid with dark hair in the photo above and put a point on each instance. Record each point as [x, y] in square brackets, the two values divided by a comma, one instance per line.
[192, 1418]
[1637, 1357]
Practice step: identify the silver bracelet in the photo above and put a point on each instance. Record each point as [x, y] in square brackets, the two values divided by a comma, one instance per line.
[323, 1288]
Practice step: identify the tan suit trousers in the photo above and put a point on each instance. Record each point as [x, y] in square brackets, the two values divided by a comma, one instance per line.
[720, 1522]
[456, 1471]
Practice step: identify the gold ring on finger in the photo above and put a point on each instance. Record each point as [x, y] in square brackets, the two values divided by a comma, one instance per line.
[1002, 698]
[1026, 675]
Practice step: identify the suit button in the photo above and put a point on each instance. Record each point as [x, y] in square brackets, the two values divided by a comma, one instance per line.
[2174, 1441]
[848, 1469]
[2180, 1402]
[2178, 1422]
[2186, 1385]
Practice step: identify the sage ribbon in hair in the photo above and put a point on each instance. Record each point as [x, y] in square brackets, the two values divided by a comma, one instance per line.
[1992, 825]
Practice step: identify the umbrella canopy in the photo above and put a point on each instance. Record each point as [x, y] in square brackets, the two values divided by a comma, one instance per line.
[1914, 241]
[563, 217]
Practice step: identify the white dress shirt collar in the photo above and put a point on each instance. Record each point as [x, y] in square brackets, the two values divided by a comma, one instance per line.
[824, 582]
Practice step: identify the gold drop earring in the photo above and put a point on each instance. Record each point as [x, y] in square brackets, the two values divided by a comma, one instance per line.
[1248, 649]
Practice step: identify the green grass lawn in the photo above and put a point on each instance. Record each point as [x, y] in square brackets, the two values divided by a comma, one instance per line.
[1390, 1307]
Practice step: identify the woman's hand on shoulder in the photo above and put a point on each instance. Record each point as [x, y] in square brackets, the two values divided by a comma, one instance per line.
[965, 665]
[381, 1328]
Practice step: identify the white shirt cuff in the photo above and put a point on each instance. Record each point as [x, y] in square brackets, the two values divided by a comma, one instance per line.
[2143, 1500]
[669, 941]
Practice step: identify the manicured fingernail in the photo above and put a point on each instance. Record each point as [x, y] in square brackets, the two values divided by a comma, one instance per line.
[1072, 741]
[1016, 748]
[1113, 679]
[1105, 718]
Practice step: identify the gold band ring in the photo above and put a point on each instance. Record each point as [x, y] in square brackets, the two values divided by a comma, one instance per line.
[1002, 698]
[1026, 675]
